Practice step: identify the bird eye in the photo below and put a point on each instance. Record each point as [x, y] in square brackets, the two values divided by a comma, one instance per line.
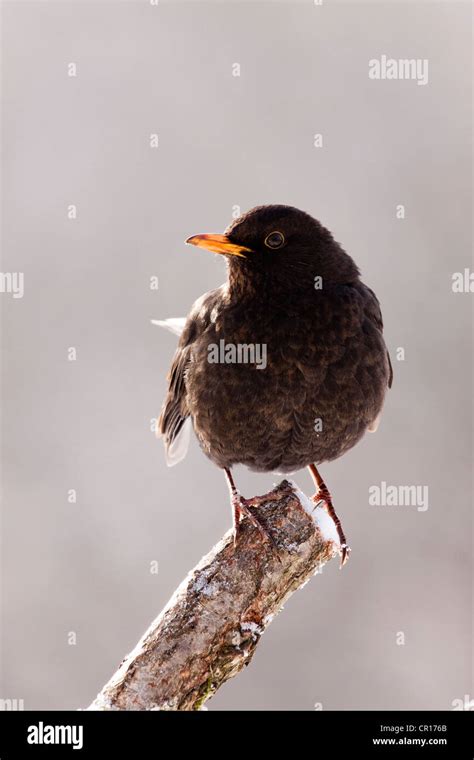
[275, 240]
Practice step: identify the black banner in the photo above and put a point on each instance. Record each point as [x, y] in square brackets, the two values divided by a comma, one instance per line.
[378, 734]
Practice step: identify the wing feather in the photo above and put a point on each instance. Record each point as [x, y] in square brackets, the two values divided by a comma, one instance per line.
[374, 313]
[174, 423]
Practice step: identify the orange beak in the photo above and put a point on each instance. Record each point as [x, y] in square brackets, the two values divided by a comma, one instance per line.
[218, 244]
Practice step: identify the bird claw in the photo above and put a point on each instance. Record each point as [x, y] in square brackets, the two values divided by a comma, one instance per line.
[324, 497]
[345, 551]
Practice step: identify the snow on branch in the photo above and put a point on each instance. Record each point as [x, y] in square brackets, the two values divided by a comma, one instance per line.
[212, 624]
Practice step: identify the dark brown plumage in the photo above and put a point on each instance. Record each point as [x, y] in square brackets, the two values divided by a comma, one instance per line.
[294, 290]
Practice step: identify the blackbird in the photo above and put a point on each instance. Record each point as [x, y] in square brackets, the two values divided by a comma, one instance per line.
[284, 366]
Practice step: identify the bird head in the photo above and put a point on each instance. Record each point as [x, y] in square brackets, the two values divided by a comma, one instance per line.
[279, 246]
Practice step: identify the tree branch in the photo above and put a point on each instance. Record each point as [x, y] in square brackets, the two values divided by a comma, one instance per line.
[212, 624]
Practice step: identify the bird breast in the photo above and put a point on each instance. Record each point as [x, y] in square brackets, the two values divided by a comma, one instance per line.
[280, 387]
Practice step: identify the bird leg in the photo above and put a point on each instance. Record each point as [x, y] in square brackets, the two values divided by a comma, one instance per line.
[322, 494]
[241, 509]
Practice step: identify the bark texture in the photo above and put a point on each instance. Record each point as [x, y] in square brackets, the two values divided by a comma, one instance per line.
[212, 624]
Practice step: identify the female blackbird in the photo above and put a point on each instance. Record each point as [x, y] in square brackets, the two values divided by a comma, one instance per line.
[284, 366]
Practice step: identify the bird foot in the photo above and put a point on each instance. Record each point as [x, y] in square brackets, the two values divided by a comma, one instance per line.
[323, 496]
[242, 510]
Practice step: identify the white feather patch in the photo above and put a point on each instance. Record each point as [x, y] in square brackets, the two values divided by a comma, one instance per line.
[174, 324]
[374, 424]
[179, 447]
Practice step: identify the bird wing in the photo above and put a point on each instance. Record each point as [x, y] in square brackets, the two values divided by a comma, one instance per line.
[374, 313]
[174, 423]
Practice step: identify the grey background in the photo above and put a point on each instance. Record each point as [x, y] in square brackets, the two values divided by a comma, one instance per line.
[228, 141]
